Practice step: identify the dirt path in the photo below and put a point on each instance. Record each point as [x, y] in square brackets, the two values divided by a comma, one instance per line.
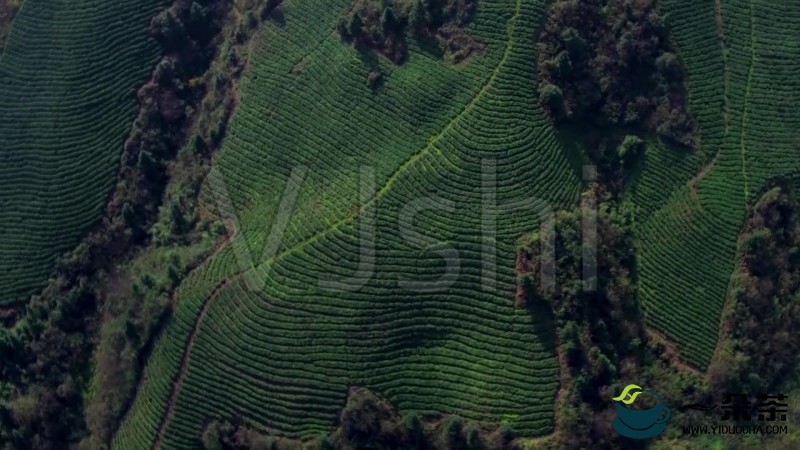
[187, 349]
[130, 401]
[724, 324]
[700, 175]
[746, 107]
[726, 109]
[177, 384]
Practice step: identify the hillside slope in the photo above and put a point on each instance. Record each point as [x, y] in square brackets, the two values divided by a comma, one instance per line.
[283, 358]
[748, 129]
[68, 79]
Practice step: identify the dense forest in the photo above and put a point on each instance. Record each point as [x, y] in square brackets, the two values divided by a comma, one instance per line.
[597, 320]
[760, 347]
[604, 64]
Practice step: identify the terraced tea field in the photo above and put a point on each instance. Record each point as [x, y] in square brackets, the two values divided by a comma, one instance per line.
[688, 246]
[284, 357]
[279, 338]
[68, 78]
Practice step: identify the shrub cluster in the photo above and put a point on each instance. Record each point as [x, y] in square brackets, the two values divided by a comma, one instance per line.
[760, 350]
[382, 25]
[597, 320]
[367, 422]
[607, 63]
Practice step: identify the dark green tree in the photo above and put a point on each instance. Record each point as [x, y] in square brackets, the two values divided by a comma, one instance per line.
[355, 27]
[389, 23]
[552, 99]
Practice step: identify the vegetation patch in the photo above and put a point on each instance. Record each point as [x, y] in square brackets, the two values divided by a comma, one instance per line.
[63, 120]
[759, 349]
[368, 422]
[108, 298]
[384, 26]
[283, 357]
[597, 320]
[138, 296]
[612, 63]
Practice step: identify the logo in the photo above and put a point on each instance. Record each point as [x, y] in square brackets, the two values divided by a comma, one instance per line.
[640, 423]
[744, 414]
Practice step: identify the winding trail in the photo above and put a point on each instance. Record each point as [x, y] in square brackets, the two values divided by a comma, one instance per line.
[726, 110]
[702, 174]
[186, 358]
[185, 361]
[745, 111]
[724, 324]
[726, 78]
[404, 167]
[723, 331]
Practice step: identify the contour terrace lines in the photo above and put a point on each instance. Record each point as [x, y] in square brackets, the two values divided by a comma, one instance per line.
[745, 108]
[208, 302]
[185, 361]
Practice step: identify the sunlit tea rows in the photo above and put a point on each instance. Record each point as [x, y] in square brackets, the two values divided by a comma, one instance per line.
[283, 357]
[688, 247]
